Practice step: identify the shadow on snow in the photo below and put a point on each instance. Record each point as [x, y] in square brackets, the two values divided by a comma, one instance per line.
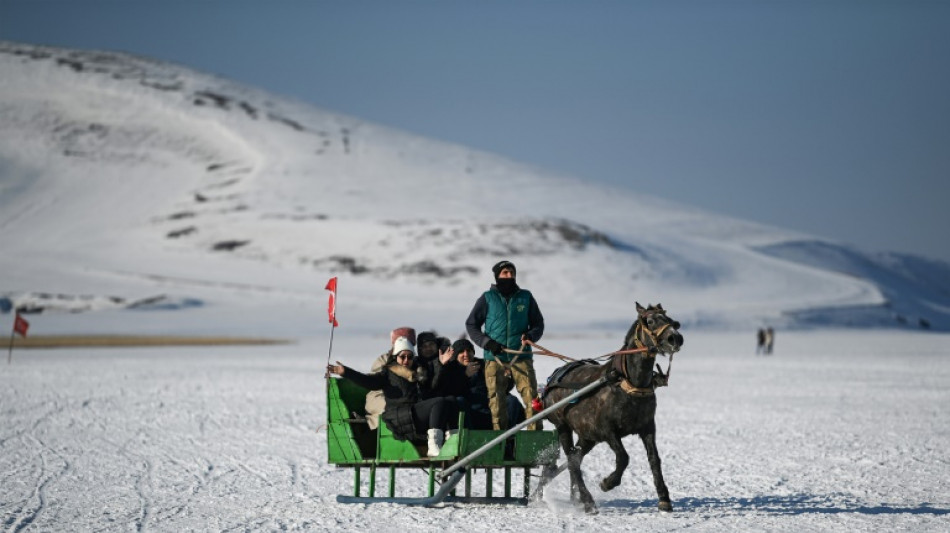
[790, 505]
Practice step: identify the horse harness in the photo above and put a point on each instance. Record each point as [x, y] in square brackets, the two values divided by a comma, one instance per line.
[616, 371]
[618, 366]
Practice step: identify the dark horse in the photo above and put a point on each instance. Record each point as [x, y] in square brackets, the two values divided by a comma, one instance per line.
[624, 405]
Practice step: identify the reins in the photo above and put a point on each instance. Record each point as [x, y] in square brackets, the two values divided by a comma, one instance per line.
[642, 347]
[541, 350]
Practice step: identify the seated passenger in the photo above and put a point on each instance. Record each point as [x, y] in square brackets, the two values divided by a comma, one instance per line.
[375, 401]
[462, 375]
[407, 415]
[430, 347]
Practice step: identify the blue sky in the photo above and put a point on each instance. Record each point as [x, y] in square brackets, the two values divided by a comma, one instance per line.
[828, 117]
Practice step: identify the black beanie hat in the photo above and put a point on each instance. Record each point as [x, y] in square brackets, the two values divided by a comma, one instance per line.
[462, 345]
[427, 336]
[499, 266]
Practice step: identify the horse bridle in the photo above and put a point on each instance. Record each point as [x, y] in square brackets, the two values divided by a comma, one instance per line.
[639, 331]
[652, 335]
[620, 366]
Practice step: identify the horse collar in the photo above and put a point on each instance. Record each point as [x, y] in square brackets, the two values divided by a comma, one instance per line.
[619, 366]
[628, 387]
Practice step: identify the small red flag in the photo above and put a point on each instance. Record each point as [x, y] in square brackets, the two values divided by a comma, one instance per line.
[20, 325]
[331, 307]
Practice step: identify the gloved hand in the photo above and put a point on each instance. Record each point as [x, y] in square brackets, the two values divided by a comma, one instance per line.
[494, 347]
[473, 368]
[422, 374]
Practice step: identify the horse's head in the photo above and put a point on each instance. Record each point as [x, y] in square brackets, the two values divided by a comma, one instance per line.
[655, 330]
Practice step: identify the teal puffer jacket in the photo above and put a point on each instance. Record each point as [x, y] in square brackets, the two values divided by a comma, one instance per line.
[507, 320]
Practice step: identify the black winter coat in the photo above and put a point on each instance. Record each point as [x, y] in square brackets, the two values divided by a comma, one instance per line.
[401, 394]
[453, 379]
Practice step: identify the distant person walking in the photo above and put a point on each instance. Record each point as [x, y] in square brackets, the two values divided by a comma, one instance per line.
[760, 341]
[511, 317]
[769, 340]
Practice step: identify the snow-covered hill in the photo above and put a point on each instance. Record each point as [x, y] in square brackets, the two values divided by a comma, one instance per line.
[129, 183]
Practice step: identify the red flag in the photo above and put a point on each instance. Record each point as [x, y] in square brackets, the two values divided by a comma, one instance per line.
[331, 308]
[20, 325]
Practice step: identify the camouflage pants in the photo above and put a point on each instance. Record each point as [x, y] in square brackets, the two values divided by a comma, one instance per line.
[522, 372]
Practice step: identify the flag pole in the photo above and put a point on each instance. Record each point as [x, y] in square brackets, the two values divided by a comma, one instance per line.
[331, 311]
[10, 353]
[16, 318]
[330, 351]
[20, 325]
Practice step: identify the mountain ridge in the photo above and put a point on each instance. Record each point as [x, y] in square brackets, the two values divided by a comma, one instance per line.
[212, 180]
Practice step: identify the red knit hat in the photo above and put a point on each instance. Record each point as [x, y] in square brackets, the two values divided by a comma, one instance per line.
[407, 332]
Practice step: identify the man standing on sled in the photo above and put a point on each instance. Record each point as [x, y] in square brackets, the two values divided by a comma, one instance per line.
[511, 317]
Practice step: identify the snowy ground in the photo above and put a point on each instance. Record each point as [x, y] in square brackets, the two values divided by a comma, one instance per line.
[139, 197]
[838, 431]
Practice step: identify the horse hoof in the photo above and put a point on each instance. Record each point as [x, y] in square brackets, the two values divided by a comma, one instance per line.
[591, 508]
[666, 506]
[606, 484]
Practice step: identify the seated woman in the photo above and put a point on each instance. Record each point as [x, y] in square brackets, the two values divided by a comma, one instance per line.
[375, 401]
[407, 415]
[462, 375]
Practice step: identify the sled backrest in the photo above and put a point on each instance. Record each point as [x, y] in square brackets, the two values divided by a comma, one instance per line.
[348, 436]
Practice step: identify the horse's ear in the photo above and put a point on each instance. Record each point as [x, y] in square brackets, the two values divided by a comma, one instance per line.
[640, 309]
[659, 306]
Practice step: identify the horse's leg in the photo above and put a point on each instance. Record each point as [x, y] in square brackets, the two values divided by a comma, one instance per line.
[577, 477]
[623, 459]
[649, 442]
